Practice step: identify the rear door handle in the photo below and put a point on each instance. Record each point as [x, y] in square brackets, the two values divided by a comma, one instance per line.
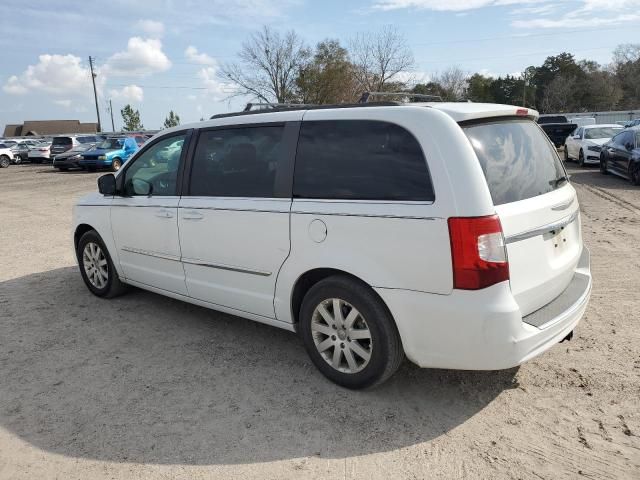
[192, 215]
[164, 213]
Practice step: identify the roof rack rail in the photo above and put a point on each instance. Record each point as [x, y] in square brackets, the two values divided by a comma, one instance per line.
[288, 107]
[365, 98]
[251, 107]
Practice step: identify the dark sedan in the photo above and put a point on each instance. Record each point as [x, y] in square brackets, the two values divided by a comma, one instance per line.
[621, 155]
[70, 158]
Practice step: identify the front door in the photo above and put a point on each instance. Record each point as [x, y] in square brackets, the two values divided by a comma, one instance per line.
[144, 217]
[234, 222]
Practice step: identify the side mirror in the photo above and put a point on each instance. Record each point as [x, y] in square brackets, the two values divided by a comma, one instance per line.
[107, 184]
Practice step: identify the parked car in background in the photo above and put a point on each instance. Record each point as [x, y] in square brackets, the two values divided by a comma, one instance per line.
[354, 227]
[584, 144]
[111, 153]
[621, 155]
[557, 128]
[582, 121]
[63, 143]
[21, 150]
[40, 152]
[6, 155]
[71, 158]
[633, 123]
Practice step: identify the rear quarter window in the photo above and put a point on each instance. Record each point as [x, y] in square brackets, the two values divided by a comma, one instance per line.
[517, 159]
[360, 160]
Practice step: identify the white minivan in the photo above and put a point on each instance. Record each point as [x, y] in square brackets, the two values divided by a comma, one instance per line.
[446, 232]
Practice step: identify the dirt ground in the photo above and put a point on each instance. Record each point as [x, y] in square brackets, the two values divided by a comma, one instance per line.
[147, 387]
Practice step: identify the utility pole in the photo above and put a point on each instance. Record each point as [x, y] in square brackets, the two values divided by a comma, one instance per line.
[95, 93]
[113, 127]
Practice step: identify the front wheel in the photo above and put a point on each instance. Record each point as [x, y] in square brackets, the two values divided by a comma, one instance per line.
[5, 161]
[349, 333]
[566, 154]
[634, 174]
[17, 159]
[603, 165]
[116, 164]
[96, 267]
[581, 158]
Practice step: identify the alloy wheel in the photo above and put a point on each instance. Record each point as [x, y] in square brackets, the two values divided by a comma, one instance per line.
[95, 265]
[341, 335]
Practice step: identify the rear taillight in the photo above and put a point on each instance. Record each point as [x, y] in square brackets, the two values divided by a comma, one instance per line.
[478, 252]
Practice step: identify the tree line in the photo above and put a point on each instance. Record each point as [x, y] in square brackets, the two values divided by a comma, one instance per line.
[281, 68]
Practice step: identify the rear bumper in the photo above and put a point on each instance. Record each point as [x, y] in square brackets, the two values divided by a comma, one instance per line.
[484, 329]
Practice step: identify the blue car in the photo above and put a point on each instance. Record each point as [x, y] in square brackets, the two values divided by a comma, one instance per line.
[111, 153]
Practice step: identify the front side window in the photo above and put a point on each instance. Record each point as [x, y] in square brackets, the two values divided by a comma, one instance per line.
[360, 160]
[237, 162]
[601, 132]
[517, 159]
[155, 171]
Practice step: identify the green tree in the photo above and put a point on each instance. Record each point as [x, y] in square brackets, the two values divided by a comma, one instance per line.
[131, 119]
[172, 120]
[329, 77]
[479, 88]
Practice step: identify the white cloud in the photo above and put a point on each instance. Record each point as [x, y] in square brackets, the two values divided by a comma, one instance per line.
[216, 89]
[66, 103]
[192, 54]
[592, 13]
[192, 97]
[151, 28]
[55, 74]
[142, 57]
[448, 5]
[129, 93]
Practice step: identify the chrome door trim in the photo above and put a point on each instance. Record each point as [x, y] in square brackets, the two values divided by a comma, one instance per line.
[542, 230]
[221, 266]
[149, 253]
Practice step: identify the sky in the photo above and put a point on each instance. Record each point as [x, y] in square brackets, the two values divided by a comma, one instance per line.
[161, 55]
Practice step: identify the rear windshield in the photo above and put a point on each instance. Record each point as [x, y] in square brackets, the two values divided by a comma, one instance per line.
[517, 159]
[62, 141]
[553, 119]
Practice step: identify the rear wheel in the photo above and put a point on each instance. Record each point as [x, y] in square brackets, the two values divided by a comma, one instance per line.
[5, 161]
[17, 159]
[603, 165]
[349, 333]
[96, 267]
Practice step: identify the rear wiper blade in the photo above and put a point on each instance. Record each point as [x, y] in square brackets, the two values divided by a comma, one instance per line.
[555, 183]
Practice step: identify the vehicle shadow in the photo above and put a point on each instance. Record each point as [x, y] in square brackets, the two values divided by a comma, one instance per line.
[590, 175]
[144, 378]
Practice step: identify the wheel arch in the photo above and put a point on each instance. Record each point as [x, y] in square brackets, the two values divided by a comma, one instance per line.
[311, 277]
[80, 231]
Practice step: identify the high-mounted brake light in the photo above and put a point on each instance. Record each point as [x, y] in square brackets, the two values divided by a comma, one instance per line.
[522, 112]
[478, 252]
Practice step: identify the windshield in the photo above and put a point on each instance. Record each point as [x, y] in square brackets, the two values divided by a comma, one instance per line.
[9, 143]
[62, 141]
[602, 132]
[517, 159]
[111, 144]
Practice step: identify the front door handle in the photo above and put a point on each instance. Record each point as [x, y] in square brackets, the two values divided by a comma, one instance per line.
[164, 213]
[192, 215]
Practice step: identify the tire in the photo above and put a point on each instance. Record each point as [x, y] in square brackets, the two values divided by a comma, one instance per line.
[372, 319]
[100, 278]
[603, 165]
[566, 154]
[5, 161]
[581, 159]
[634, 174]
[116, 164]
[17, 159]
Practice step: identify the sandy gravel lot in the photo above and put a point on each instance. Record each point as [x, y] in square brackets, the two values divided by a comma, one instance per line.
[148, 387]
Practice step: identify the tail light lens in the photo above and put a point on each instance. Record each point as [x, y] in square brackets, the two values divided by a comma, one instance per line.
[477, 252]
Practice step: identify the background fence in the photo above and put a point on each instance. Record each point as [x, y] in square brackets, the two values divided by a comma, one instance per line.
[607, 117]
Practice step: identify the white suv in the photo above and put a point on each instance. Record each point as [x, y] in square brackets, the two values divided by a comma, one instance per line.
[446, 232]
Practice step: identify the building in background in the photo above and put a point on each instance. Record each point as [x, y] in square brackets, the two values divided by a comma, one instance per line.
[48, 127]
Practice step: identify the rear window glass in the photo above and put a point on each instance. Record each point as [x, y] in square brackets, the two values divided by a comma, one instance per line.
[602, 132]
[360, 160]
[517, 159]
[62, 141]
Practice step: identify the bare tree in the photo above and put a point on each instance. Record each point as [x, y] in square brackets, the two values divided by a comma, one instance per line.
[454, 82]
[557, 96]
[379, 57]
[269, 66]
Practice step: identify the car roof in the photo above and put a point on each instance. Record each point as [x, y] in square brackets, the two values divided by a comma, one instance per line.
[458, 111]
[588, 127]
